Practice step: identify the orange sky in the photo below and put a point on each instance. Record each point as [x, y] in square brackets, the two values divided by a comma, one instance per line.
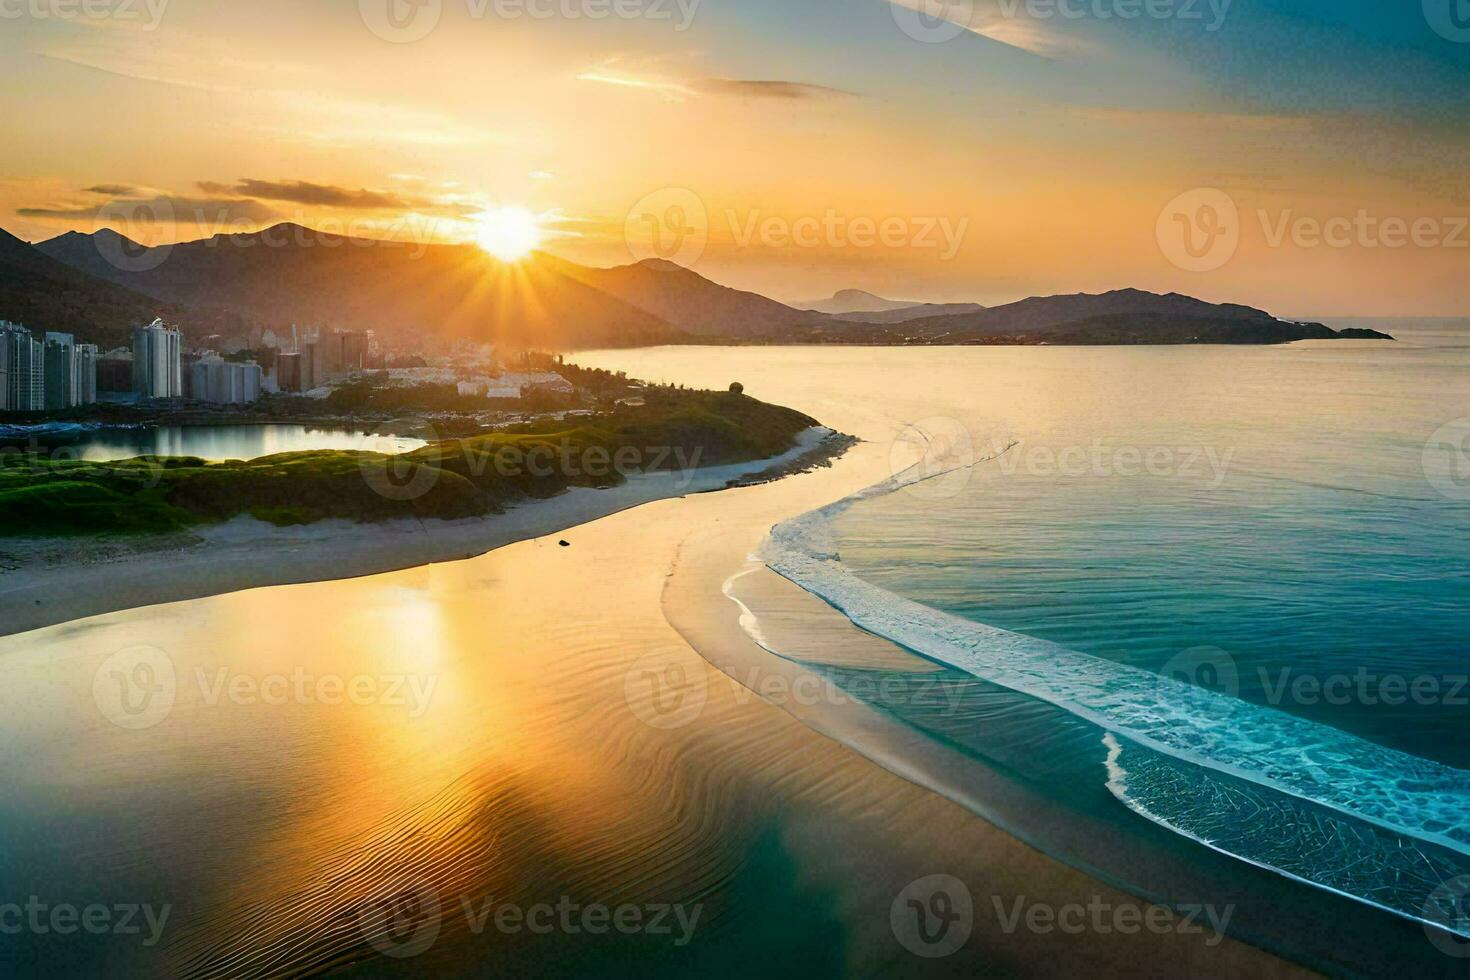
[810, 147]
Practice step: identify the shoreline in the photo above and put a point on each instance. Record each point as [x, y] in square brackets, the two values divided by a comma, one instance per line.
[978, 845]
[42, 582]
[549, 740]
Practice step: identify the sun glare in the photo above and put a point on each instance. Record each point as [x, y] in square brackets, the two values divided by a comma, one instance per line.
[509, 234]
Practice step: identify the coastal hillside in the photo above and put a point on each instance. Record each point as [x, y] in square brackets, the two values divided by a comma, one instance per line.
[909, 313]
[290, 274]
[454, 478]
[860, 306]
[44, 294]
[696, 304]
[846, 301]
[1122, 316]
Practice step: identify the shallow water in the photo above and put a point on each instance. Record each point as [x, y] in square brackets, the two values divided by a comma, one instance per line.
[502, 748]
[1240, 572]
[211, 442]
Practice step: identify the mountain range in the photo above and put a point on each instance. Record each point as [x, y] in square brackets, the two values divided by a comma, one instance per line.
[99, 285]
[864, 307]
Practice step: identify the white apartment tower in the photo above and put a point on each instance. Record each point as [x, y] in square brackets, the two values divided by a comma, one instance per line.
[158, 361]
[22, 370]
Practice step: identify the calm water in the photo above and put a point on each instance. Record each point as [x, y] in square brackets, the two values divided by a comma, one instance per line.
[1160, 525]
[215, 442]
[1227, 589]
[1281, 510]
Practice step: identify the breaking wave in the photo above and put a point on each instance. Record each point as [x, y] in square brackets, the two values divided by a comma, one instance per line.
[1385, 827]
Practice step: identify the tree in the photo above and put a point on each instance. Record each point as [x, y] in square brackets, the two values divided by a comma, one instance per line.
[736, 388]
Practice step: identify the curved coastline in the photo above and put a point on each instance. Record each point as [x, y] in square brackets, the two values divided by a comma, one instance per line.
[93, 578]
[1417, 802]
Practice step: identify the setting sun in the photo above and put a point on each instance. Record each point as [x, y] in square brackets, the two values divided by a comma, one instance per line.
[509, 234]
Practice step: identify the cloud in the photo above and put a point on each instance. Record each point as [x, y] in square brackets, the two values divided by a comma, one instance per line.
[114, 190]
[753, 89]
[679, 89]
[1007, 23]
[161, 209]
[319, 195]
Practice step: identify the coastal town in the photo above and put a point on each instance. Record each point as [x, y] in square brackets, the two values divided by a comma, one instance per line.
[50, 375]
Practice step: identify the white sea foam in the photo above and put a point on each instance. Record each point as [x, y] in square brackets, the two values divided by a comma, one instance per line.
[1417, 797]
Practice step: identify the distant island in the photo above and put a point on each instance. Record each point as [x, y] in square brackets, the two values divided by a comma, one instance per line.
[101, 285]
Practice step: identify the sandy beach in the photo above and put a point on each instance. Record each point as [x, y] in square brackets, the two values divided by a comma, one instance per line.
[54, 580]
[591, 739]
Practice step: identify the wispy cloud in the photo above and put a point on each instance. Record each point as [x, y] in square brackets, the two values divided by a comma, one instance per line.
[322, 195]
[1005, 21]
[669, 89]
[762, 89]
[679, 88]
[161, 208]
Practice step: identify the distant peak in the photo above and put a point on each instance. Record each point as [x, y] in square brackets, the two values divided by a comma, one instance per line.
[858, 294]
[662, 265]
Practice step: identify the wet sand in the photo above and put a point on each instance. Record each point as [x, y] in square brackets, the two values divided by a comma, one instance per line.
[575, 749]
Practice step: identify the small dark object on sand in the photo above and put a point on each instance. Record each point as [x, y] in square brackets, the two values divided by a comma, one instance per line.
[565, 544]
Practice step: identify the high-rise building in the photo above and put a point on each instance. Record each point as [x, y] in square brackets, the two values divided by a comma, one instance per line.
[22, 370]
[213, 379]
[62, 375]
[354, 350]
[311, 364]
[288, 372]
[158, 361]
[86, 374]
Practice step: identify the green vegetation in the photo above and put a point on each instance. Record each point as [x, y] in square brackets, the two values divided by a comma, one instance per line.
[673, 429]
